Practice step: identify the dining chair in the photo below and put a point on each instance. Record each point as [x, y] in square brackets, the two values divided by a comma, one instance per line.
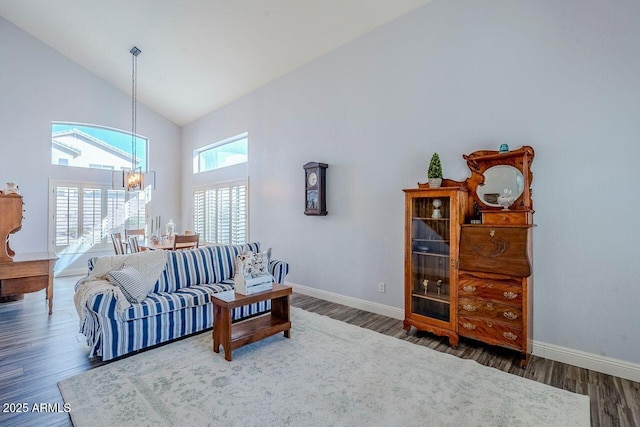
[136, 232]
[134, 245]
[193, 239]
[118, 247]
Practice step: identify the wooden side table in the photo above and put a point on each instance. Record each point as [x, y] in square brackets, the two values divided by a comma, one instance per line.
[233, 336]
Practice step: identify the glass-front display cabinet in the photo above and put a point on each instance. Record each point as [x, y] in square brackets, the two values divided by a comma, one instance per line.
[432, 229]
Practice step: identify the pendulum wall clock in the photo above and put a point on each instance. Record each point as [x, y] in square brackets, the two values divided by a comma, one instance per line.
[315, 186]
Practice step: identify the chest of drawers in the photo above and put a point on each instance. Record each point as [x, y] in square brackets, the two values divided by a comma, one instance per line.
[493, 285]
[491, 310]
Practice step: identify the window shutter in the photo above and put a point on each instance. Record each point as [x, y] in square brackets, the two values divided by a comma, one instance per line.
[115, 212]
[66, 221]
[199, 214]
[220, 213]
[135, 212]
[239, 214]
[211, 201]
[223, 225]
[86, 214]
[91, 216]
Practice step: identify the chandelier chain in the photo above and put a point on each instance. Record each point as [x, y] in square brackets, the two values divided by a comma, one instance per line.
[134, 95]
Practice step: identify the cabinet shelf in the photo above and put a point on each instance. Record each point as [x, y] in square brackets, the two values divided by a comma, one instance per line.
[430, 240]
[424, 218]
[441, 255]
[433, 296]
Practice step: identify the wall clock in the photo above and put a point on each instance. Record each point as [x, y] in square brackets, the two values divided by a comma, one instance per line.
[315, 186]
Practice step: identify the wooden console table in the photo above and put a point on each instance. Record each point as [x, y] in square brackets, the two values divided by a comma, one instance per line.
[28, 273]
[236, 335]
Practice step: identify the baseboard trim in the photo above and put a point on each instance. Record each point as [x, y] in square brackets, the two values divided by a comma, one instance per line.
[71, 272]
[372, 307]
[581, 359]
[594, 362]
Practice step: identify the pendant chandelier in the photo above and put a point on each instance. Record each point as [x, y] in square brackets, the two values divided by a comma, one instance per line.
[135, 179]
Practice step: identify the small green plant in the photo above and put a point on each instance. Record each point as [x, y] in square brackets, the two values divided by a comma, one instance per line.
[435, 167]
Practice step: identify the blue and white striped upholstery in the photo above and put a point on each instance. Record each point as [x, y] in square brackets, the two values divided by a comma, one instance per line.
[279, 270]
[178, 305]
[164, 302]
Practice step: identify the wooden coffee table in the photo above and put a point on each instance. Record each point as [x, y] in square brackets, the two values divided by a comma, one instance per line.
[235, 335]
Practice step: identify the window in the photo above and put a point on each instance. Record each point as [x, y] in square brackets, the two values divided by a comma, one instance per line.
[86, 214]
[95, 147]
[220, 213]
[231, 151]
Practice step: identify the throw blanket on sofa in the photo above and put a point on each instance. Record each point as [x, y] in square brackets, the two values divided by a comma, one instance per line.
[150, 264]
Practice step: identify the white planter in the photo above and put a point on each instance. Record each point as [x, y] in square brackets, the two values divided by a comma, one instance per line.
[435, 182]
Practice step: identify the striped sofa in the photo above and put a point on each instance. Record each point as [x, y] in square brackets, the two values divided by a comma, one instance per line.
[178, 305]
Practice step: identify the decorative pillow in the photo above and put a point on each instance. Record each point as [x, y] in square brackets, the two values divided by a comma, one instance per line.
[131, 283]
[250, 264]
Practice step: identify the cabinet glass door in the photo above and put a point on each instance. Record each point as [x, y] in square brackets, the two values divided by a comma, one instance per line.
[430, 257]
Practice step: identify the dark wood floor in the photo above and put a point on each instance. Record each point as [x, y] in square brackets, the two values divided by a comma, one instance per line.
[37, 351]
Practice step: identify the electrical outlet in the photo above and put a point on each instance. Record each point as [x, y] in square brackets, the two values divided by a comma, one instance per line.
[381, 287]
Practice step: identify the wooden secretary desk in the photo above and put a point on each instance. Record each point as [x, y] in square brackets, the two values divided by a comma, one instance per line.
[22, 273]
[483, 288]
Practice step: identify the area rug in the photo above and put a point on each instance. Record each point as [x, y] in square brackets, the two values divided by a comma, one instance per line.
[329, 373]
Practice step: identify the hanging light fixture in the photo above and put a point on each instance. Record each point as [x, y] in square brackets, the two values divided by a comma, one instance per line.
[135, 179]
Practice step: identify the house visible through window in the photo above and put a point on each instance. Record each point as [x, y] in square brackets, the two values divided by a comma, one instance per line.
[220, 213]
[96, 147]
[85, 215]
[231, 151]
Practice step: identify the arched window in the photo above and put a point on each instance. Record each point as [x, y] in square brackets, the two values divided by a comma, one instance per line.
[96, 147]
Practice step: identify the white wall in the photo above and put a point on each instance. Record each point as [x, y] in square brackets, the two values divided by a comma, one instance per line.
[37, 86]
[456, 76]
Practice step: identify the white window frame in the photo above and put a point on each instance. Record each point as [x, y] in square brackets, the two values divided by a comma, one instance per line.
[105, 243]
[208, 223]
[198, 152]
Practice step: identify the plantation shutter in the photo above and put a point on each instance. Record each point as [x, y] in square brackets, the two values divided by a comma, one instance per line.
[239, 214]
[85, 215]
[224, 216]
[210, 215]
[66, 215]
[91, 216]
[198, 214]
[220, 213]
[136, 212]
[115, 211]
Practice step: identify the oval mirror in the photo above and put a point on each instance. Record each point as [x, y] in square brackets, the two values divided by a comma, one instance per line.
[496, 180]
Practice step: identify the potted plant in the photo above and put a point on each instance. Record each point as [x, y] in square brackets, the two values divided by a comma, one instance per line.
[435, 171]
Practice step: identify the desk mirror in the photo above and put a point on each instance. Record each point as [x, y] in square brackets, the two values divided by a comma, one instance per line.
[493, 172]
[497, 179]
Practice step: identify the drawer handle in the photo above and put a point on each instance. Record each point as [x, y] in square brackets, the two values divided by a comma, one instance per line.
[510, 295]
[489, 285]
[510, 336]
[489, 305]
[469, 288]
[468, 307]
[469, 326]
[510, 315]
[490, 324]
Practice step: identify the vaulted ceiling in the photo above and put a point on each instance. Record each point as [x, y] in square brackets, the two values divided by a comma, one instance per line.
[198, 55]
